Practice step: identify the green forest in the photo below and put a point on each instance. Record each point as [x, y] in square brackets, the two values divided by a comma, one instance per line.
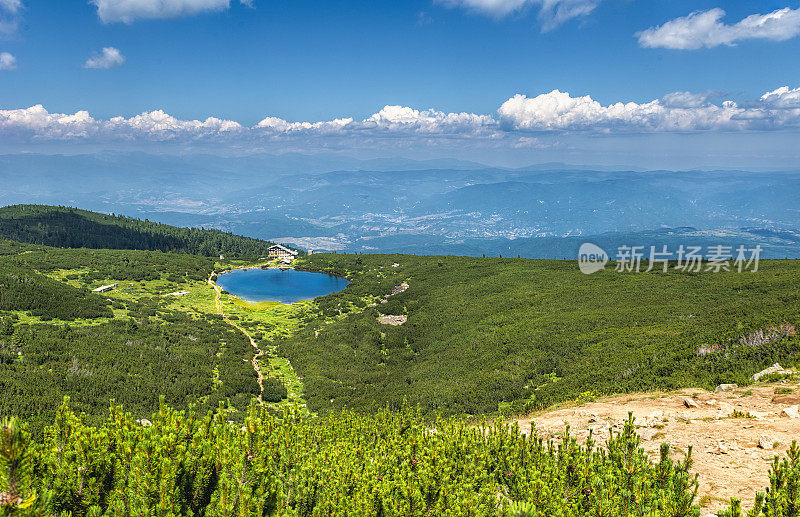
[57, 338]
[489, 334]
[142, 400]
[64, 227]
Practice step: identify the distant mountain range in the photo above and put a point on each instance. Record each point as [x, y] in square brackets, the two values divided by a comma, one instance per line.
[435, 206]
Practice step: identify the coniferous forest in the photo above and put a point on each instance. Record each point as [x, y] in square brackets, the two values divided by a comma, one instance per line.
[143, 400]
[64, 227]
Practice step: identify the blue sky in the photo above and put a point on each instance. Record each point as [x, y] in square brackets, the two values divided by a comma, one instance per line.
[312, 61]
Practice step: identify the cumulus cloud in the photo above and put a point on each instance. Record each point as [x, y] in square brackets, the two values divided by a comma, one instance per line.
[782, 97]
[519, 122]
[552, 13]
[279, 125]
[128, 11]
[7, 61]
[109, 57]
[706, 29]
[559, 111]
[37, 123]
[403, 118]
[394, 120]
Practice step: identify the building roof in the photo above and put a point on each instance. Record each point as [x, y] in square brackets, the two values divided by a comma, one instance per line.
[284, 248]
[104, 288]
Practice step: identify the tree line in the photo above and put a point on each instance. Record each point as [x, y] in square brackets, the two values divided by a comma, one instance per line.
[65, 227]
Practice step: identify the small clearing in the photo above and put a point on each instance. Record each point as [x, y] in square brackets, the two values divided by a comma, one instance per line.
[393, 320]
[395, 290]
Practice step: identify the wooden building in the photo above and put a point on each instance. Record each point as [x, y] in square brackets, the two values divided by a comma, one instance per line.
[281, 252]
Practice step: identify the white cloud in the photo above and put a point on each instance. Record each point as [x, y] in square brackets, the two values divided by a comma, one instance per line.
[529, 142]
[490, 7]
[279, 125]
[556, 12]
[7, 61]
[402, 118]
[678, 112]
[109, 57]
[11, 6]
[519, 122]
[37, 123]
[127, 11]
[782, 97]
[10, 12]
[552, 13]
[705, 29]
[158, 125]
[686, 99]
[389, 120]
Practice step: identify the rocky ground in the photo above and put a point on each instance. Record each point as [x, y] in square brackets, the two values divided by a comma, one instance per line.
[731, 452]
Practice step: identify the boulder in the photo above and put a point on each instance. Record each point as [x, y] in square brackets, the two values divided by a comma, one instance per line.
[690, 403]
[725, 387]
[766, 442]
[144, 422]
[775, 368]
[790, 412]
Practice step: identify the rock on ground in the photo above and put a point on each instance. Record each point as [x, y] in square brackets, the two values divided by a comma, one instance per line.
[726, 387]
[766, 442]
[775, 368]
[790, 412]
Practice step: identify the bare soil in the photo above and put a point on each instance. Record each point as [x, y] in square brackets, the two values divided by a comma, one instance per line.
[725, 449]
[393, 320]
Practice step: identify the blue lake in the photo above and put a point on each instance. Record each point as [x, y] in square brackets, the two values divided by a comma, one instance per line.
[275, 285]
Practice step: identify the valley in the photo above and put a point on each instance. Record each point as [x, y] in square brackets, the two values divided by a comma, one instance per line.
[446, 343]
[446, 207]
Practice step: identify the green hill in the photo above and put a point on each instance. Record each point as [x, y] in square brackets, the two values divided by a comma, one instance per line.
[484, 335]
[57, 338]
[64, 227]
[481, 337]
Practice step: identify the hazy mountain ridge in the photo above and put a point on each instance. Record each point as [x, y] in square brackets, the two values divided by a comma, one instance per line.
[449, 206]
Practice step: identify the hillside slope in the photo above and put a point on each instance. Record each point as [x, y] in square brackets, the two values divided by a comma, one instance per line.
[131, 344]
[487, 335]
[64, 227]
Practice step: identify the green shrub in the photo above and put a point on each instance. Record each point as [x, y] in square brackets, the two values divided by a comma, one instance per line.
[390, 463]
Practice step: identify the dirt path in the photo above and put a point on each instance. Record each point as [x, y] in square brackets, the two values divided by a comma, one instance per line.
[259, 352]
[725, 450]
